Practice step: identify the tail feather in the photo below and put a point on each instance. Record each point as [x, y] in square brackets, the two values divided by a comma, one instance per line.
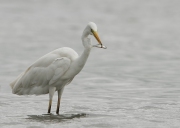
[14, 82]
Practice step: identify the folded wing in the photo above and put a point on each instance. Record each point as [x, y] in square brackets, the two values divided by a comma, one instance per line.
[42, 74]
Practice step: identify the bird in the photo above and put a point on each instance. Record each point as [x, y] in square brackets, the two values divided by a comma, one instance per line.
[53, 71]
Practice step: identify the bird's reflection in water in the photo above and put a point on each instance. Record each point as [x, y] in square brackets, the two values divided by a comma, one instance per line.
[55, 118]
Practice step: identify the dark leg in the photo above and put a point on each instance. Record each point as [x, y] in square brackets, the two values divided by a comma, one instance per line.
[51, 93]
[59, 99]
[49, 108]
[58, 105]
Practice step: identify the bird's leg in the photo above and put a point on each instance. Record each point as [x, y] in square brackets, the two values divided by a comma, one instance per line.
[58, 105]
[51, 93]
[59, 99]
[49, 108]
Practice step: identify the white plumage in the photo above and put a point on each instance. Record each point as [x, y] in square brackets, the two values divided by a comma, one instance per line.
[45, 72]
[54, 70]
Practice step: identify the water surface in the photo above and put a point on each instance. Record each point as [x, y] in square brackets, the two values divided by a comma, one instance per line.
[134, 83]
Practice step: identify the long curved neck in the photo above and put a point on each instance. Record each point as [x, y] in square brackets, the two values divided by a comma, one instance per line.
[87, 49]
[81, 60]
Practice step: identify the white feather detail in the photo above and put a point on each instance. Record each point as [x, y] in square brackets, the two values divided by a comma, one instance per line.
[36, 78]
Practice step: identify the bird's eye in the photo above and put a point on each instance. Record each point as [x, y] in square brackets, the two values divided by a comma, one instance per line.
[91, 31]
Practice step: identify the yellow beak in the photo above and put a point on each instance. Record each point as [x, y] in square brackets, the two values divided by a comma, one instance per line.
[97, 37]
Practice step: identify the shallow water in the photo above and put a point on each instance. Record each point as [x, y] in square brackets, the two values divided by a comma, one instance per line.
[134, 83]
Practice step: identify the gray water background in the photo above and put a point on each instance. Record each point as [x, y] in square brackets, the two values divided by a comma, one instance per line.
[134, 83]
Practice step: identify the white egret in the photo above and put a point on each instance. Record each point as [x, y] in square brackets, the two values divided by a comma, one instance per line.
[56, 69]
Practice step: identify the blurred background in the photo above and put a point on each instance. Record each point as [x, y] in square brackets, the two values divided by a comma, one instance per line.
[133, 83]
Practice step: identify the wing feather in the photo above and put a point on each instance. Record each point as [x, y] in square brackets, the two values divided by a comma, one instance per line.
[60, 66]
[41, 75]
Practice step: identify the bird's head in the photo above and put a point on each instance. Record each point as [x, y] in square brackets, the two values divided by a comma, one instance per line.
[91, 29]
